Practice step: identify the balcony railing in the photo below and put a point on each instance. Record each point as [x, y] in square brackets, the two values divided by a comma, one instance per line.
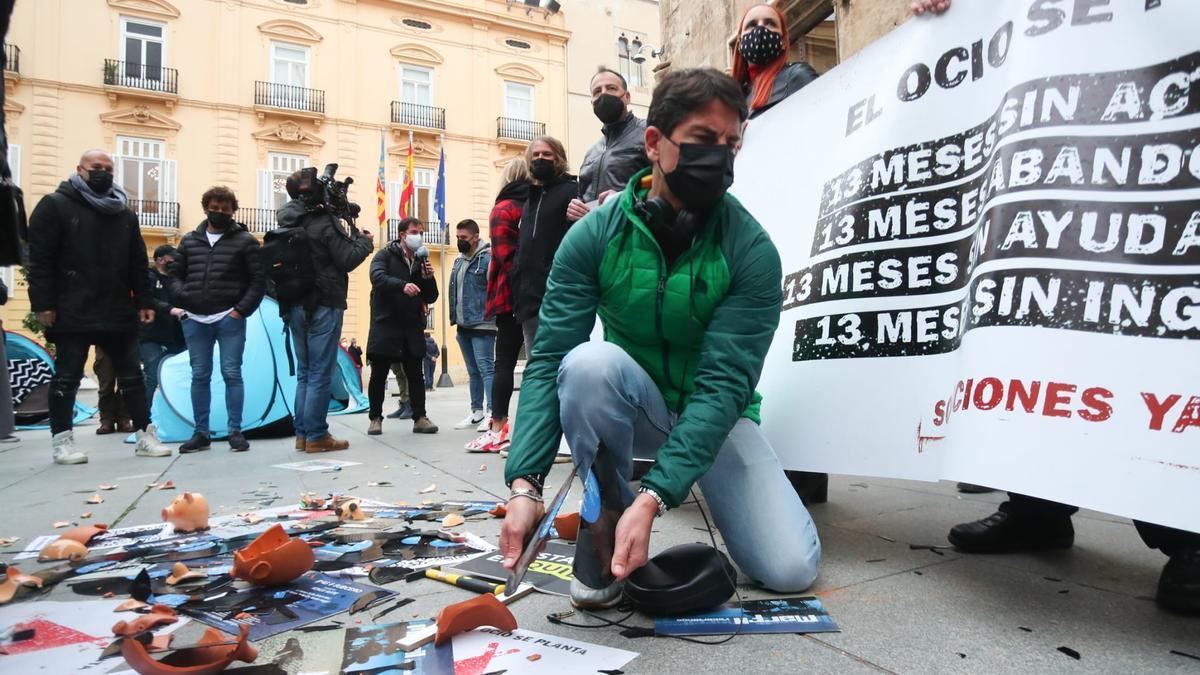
[258, 221]
[435, 234]
[289, 97]
[416, 115]
[140, 76]
[158, 215]
[519, 130]
[12, 58]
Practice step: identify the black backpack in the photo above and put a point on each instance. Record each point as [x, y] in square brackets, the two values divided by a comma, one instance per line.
[287, 259]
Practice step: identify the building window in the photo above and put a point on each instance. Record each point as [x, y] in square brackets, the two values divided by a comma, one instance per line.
[143, 169]
[14, 163]
[416, 85]
[518, 101]
[143, 49]
[631, 71]
[272, 181]
[423, 185]
[289, 64]
[415, 23]
[518, 44]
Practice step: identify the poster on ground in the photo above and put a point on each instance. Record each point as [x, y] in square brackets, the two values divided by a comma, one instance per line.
[989, 226]
[550, 572]
[770, 615]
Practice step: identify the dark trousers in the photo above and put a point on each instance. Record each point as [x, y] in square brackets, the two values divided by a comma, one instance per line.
[377, 386]
[509, 339]
[71, 350]
[113, 409]
[1166, 539]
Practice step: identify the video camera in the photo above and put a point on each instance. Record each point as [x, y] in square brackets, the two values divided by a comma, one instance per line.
[327, 192]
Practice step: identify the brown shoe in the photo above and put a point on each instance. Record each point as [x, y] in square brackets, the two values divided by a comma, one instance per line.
[105, 429]
[125, 427]
[326, 443]
[424, 426]
[375, 427]
[300, 441]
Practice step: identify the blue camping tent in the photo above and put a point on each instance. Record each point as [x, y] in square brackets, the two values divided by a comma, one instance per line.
[270, 387]
[30, 368]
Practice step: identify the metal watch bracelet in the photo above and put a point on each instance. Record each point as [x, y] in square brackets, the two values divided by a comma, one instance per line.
[525, 492]
[662, 506]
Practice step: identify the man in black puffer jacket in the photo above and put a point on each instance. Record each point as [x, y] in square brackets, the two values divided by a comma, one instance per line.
[164, 336]
[218, 281]
[87, 286]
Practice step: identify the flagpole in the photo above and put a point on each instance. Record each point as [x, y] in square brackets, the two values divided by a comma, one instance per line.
[444, 379]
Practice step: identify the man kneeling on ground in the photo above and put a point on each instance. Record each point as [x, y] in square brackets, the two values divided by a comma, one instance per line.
[688, 287]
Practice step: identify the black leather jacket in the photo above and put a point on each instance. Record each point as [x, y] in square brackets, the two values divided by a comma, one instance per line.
[790, 80]
[612, 161]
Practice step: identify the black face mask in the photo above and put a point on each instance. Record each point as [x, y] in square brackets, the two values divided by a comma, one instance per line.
[608, 108]
[100, 182]
[702, 175]
[464, 247]
[219, 221]
[761, 45]
[542, 169]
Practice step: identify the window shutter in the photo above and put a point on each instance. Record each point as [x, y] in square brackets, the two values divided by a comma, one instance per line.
[14, 163]
[168, 181]
[266, 200]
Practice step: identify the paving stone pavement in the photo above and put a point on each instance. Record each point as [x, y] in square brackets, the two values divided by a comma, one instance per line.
[900, 609]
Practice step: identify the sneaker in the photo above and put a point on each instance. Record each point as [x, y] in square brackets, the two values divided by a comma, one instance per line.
[562, 459]
[504, 454]
[199, 442]
[148, 444]
[238, 442]
[484, 442]
[375, 426]
[503, 440]
[1001, 532]
[422, 425]
[11, 438]
[404, 412]
[326, 443]
[471, 420]
[586, 597]
[486, 423]
[1179, 585]
[65, 451]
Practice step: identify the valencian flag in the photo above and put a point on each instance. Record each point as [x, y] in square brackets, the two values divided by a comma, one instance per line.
[380, 190]
[439, 195]
[406, 193]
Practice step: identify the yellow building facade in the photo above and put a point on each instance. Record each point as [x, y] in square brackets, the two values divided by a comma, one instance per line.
[187, 94]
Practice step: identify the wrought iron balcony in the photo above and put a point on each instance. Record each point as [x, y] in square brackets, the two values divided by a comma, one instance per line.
[141, 76]
[258, 221]
[519, 130]
[156, 215]
[416, 115]
[435, 234]
[289, 97]
[12, 58]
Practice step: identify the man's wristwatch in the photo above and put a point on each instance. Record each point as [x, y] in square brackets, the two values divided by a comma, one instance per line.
[662, 506]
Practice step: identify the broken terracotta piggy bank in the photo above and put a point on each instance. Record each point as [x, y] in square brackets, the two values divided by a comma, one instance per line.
[273, 559]
[188, 512]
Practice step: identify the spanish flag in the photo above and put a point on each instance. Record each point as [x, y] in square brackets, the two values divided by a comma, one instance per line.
[406, 193]
[380, 183]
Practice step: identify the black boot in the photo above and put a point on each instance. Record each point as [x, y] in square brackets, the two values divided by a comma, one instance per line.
[404, 412]
[1003, 532]
[813, 488]
[197, 443]
[1179, 585]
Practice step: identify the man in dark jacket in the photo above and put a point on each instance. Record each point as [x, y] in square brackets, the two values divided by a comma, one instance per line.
[218, 280]
[162, 337]
[476, 334]
[402, 284]
[316, 324]
[621, 150]
[87, 286]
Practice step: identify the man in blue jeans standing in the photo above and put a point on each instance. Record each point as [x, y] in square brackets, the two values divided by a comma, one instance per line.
[316, 324]
[217, 280]
[476, 334]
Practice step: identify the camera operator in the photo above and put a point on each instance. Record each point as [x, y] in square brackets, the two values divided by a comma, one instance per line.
[316, 323]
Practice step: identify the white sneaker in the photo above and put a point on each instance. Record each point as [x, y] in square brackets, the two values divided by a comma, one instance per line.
[471, 420]
[489, 437]
[65, 451]
[148, 444]
[586, 597]
[486, 423]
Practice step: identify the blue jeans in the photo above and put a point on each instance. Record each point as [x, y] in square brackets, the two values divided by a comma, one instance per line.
[153, 353]
[229, 334]
[607, 401]
[479, 353]
[315, 339]
[427, 364]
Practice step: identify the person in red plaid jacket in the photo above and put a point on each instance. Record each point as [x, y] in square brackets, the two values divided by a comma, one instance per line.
[504, 226]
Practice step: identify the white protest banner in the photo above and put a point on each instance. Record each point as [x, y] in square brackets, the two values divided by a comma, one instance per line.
[989, 223]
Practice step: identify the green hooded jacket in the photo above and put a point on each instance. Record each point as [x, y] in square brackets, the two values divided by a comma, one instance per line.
[700, 328]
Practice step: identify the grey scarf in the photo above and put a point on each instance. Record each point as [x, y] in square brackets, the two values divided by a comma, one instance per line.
[115, 201]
